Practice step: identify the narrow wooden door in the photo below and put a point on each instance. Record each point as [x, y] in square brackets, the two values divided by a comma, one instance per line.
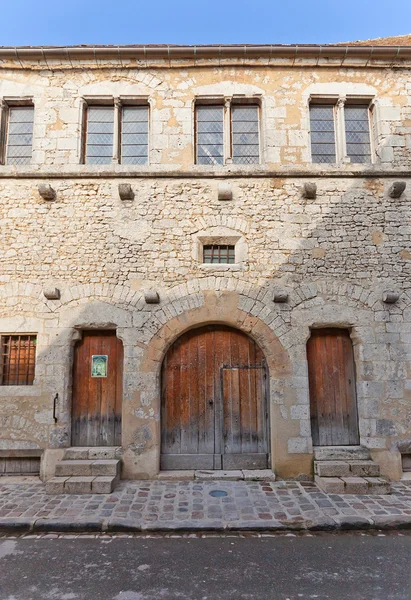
[331, 370]
[97, 390]
[214, 402]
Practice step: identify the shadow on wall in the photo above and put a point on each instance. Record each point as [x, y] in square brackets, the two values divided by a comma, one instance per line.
[335, 255]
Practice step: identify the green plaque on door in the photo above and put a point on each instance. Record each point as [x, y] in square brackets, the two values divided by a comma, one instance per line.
[99, 365]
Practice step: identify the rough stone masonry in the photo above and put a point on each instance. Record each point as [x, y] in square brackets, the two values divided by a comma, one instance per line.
[332, 256]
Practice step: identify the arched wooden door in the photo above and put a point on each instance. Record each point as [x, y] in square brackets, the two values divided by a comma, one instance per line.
[214, 402]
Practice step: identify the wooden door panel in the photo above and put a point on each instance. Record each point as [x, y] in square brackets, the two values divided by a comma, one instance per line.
[331, 370]
[97, 401]
[210, 411]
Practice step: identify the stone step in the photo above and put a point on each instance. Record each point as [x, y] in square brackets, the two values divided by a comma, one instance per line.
[87, 468]
[340, 468]
[93, 453]
[345, 453]
[353, 485]
[81, 485]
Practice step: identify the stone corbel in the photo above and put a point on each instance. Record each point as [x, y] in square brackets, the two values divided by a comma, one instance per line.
[47, 192]
[51, 293]
[280, 296]
[310, 190]
[125, 191]
[225, 191]
[152, 297]
[396, 189]
[390, 297]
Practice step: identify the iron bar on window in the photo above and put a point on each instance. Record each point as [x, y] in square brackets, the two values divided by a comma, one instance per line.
[17, 359]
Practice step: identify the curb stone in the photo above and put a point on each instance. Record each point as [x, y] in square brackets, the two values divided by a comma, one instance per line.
[337, 523]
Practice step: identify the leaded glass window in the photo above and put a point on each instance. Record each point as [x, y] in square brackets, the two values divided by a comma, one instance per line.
[322, 133]
[100, 131]
[357, 133]
[134, 135]
[245, 140]
[20, 135]
[210, 135]
[219, 254]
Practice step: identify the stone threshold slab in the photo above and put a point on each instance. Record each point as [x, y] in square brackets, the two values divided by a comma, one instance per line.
[205, 475]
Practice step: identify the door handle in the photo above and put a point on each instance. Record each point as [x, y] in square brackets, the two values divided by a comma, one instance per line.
[56, 397]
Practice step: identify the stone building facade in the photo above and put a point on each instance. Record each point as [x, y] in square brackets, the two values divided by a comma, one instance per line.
[332, 251]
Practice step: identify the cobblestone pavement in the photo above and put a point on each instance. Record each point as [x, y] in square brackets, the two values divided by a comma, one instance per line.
[192, 504]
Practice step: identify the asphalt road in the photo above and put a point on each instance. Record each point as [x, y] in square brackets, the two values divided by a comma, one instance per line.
[324, 566]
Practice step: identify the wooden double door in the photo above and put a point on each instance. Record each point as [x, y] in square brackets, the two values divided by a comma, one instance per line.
[97, 390]
[333, 400]
[214, 402]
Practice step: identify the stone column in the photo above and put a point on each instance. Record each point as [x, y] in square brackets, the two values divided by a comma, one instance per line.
[341, 146]
[227, 131]
[116, 131]
[3, 114]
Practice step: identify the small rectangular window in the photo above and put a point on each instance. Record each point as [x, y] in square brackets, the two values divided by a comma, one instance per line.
[18, 358]
[210, 135]
[19, 135]
[134, 135]
[322, 133]
[100, 134]
[357, 133]
[219, 254]
[245, 135]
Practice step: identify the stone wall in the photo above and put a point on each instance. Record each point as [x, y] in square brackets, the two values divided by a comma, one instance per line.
[335, 254]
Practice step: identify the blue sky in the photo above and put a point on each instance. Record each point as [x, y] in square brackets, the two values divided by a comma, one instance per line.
[62, 22]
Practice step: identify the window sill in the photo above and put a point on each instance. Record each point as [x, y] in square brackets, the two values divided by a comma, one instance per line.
[222, 267]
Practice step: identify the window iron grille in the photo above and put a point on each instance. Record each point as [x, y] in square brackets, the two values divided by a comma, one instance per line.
[18, 358]
[218, 254]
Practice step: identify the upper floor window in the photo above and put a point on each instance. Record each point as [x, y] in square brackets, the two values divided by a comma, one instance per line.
[227, 133]
[340, 132]
[19, 134]
[322, 124]
[116, 133]
[357, 133]
[17, 359]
